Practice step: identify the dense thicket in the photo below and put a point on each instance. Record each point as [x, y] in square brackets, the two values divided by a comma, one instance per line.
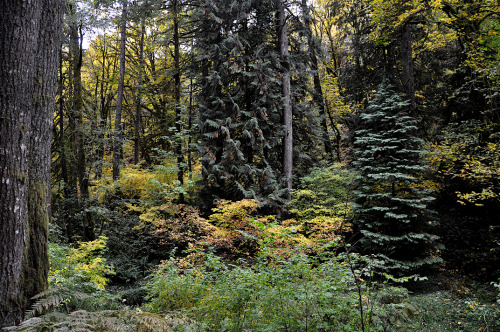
[172, 116]
[203, 103]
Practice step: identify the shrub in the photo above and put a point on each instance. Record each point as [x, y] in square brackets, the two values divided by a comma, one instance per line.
[294, 294]
[82, 268]
[321, 203]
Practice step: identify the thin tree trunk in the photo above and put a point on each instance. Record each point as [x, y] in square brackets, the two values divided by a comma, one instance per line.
[119, 99]
[62, 152]
[190, 125]
[287, 105]
[139, 92]
[105, 106]
[177, 96]
[407, 61]
[71, 200]
[103, 115]
[318, 91]
[81, 174]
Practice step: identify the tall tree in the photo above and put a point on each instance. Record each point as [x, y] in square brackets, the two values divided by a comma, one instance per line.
[80, 169]
[318, 90]
[29, 34]
[287, 103]
[117, 142]
[139, 91]
[239, 100]
[177, 96]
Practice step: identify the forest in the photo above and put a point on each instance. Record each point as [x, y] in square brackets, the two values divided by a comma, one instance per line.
[250, 165]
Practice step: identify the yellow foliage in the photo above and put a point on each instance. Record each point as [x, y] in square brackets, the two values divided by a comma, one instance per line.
[462, 158]
[75, 267]
[230, 215]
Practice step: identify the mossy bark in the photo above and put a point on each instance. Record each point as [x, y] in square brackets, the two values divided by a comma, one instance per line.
[19, 21]
[29, 34]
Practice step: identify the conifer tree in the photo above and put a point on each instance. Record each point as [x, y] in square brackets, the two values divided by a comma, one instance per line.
[239, 100]
[390, 204]
[242, 100]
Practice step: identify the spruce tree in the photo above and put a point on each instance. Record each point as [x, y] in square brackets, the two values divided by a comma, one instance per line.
[390, 202]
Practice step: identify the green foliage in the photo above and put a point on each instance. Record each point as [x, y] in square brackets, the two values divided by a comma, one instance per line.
[294, 294]
[82, 268]
[321, 202]
[241, 104]
[132, 208]
[233, 231]
[52, 298]
[241, 233]
[497, 286]
[466, 162]
[390, 206]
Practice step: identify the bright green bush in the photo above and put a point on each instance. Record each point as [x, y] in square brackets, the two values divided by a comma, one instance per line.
[82, 268]
[320, 205]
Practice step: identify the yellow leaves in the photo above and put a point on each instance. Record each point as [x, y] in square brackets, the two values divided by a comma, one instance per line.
[436, 4]
[230, 214]
[80, 265]
[476, 166]
[389, 16]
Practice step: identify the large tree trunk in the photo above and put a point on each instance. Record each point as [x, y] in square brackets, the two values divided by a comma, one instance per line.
[19, 25]
[287, 104]
[28, 67]
[36, 259]
[117, 143]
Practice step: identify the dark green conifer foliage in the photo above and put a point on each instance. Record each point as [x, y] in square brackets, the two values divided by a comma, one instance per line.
[241, 104]
[390, 203]
[239, 99]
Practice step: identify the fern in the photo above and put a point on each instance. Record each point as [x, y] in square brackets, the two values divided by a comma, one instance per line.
[52, 298]
[107, 320]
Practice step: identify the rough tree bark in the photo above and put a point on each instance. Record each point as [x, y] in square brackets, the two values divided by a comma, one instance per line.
[117, 145]
[140, 85]
[287, 104]
[29, 34]
[34, 276]
[177, 96]
[407, 62]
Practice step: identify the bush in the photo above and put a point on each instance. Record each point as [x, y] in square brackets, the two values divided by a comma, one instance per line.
[294, 294]
[82, 268]
[321, 203]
